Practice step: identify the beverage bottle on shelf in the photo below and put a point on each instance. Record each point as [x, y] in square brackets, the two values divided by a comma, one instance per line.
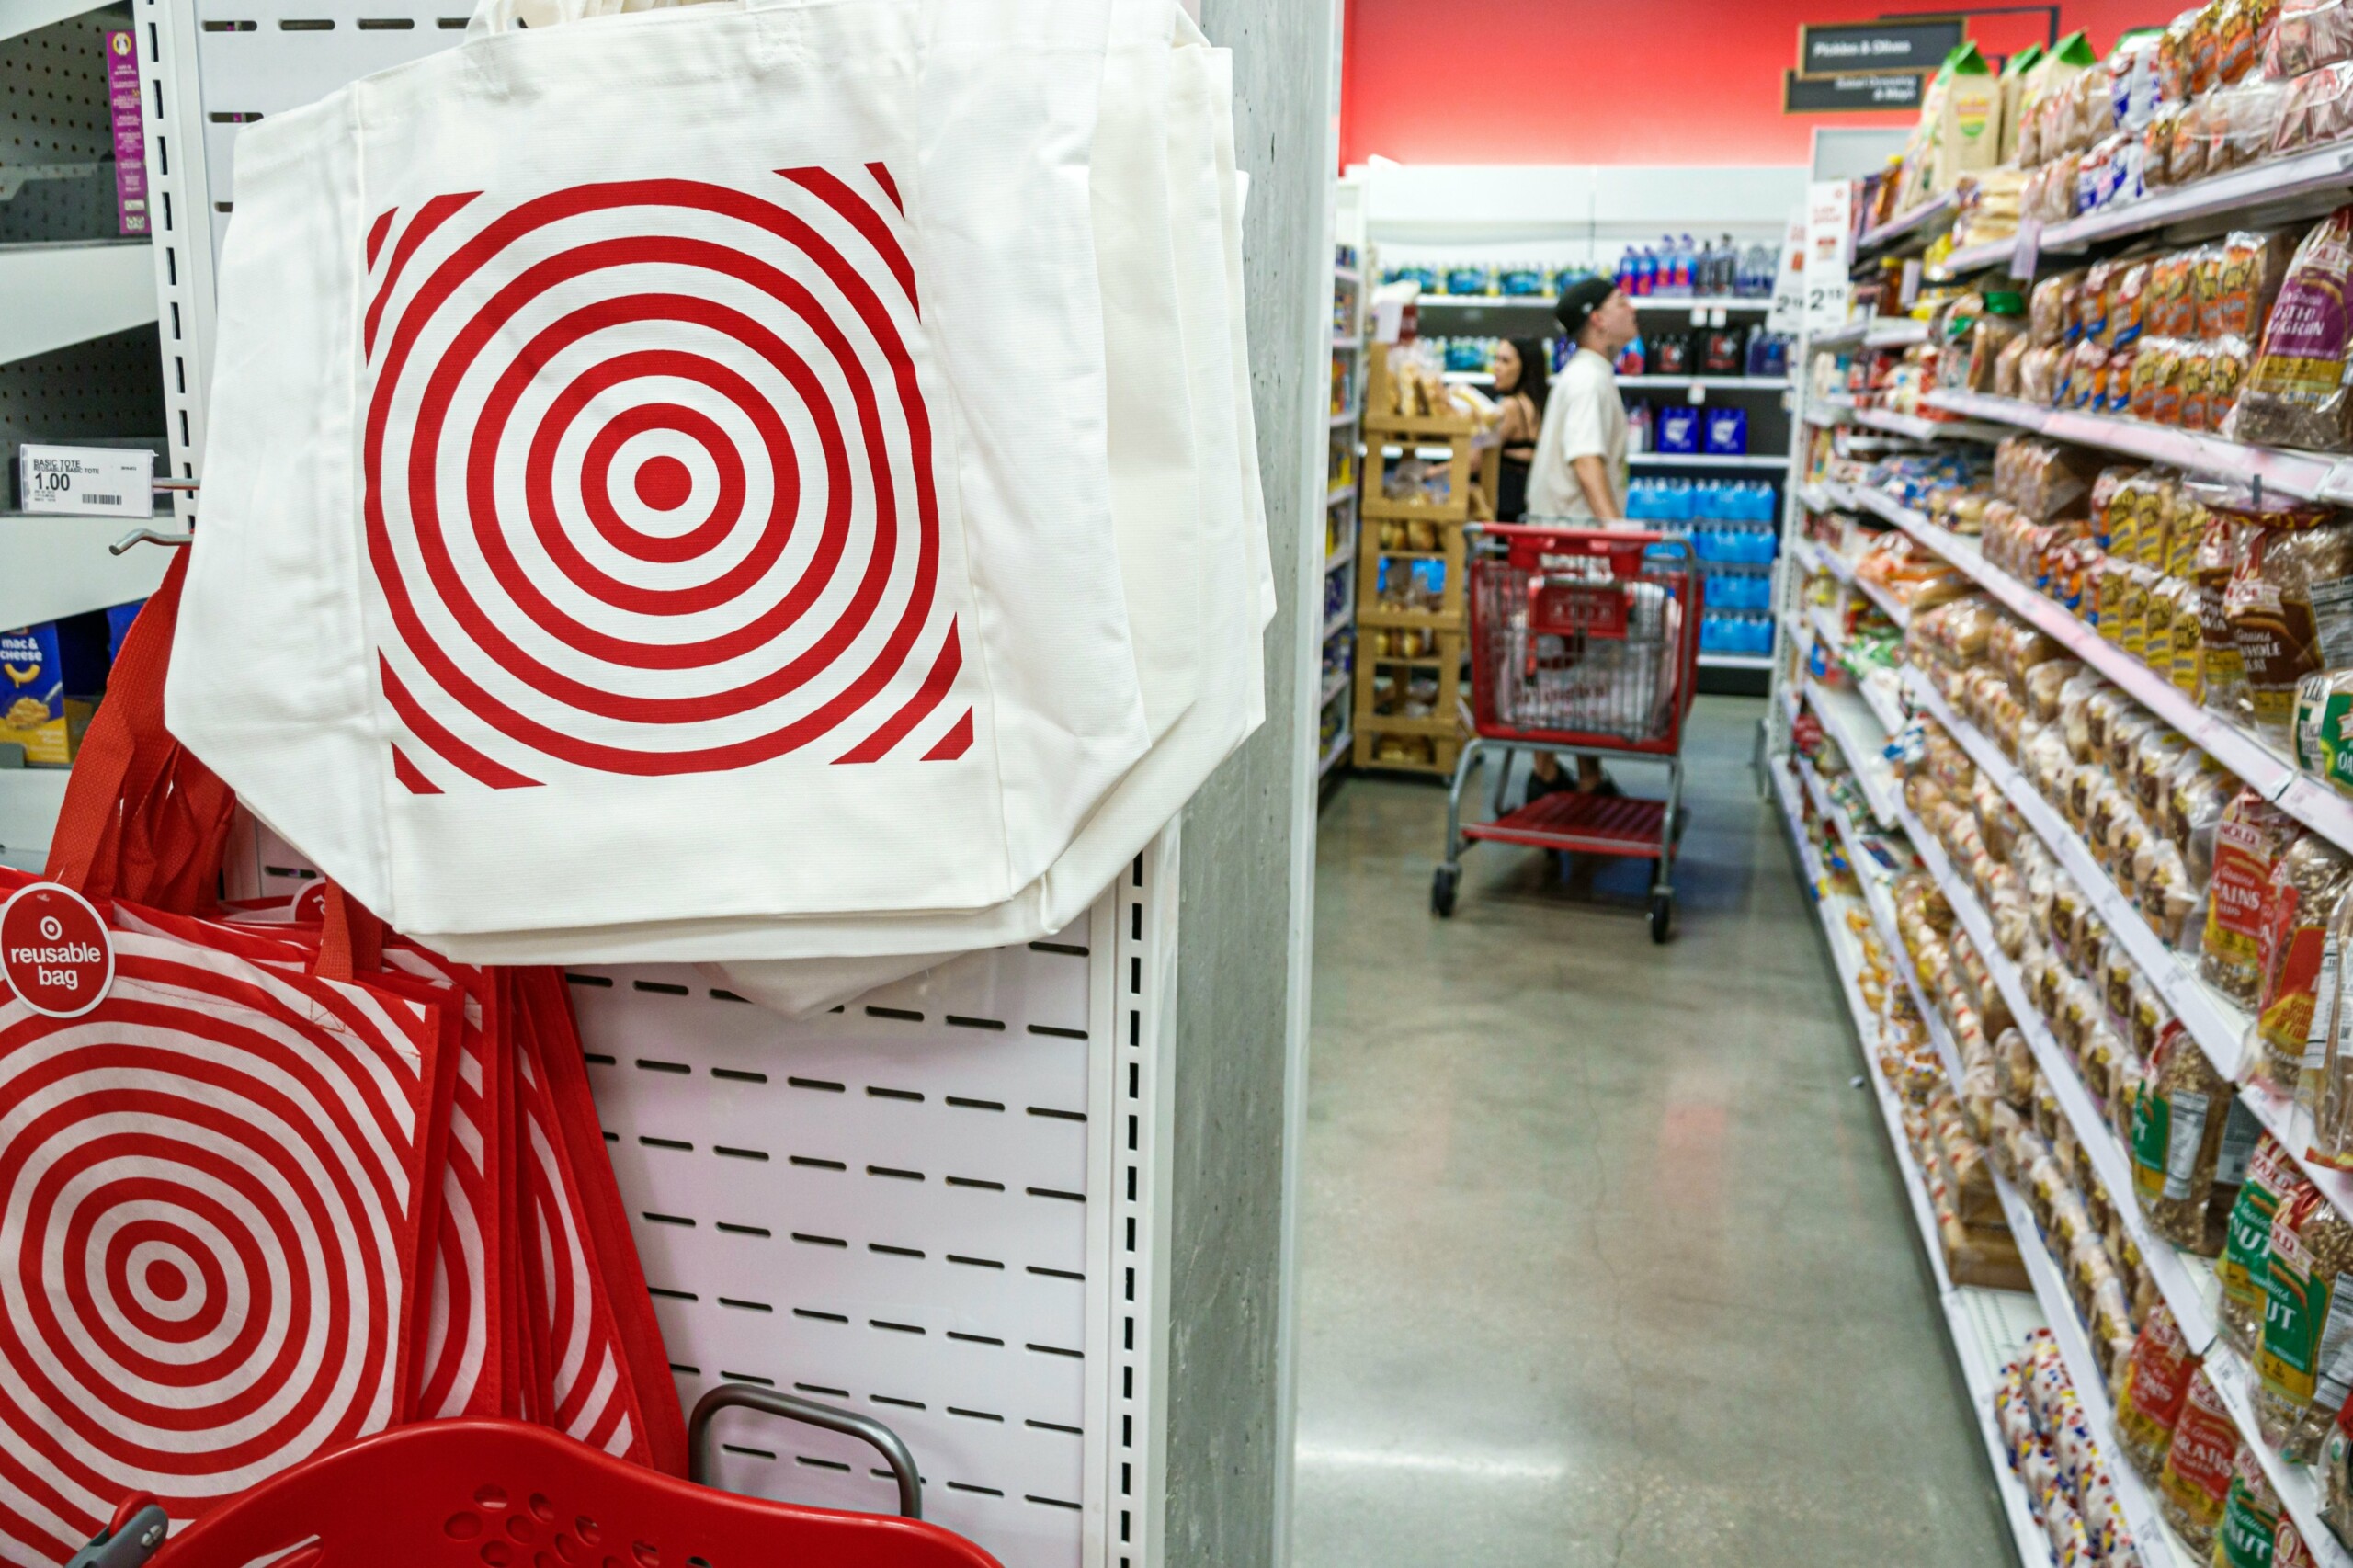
[1638, 428]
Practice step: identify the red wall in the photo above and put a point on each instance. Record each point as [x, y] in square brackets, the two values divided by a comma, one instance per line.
[1616, 81]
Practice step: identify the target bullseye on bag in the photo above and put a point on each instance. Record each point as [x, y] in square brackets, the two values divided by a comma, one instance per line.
[700, 518]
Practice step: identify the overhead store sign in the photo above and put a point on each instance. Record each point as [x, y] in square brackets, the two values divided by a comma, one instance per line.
[1829, 94]
[1842, 48]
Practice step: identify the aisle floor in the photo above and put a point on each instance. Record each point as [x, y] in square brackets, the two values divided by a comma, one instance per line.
[1603, 1258]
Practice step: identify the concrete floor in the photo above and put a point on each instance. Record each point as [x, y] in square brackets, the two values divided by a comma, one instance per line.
[1603, 1259]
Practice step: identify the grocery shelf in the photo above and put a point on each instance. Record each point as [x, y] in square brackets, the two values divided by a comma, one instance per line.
[1339, 621]
[1824, 630]
[1815, 496]
[2157, 1545]
[31, 799]
[1895, 609]
[1341, 420]
[2297, 1486]
[2313, 803]
[1703, 460]
[24, 15]
[1922, 222]
[1899, 332]
[1346, 344]
[2189, 1288]
[2312, 176]
[2218, 1026]
[1735, 661]
[1488, 301]
[1862, 739]
[1966, 260]
[1335, 752]
[1735, 383]
[1988, 1328]
[2305, 475]
[1347, 275]
[1338, 494]
[1921, 429]
[2049, 1280]
[1334, 687]
[1703, 303]
[1338, 558]
[59, 566]
[62, 294]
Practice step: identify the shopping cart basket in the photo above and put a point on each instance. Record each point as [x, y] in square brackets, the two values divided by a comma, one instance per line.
[510, 1495]
[1583, 641]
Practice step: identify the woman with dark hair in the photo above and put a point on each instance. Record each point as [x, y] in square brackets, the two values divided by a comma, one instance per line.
[1520, 385]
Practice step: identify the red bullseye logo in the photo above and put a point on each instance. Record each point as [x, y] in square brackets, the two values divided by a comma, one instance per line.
[654, 483]
[54, 950]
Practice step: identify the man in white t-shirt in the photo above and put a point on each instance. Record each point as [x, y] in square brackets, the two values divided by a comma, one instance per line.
[1579, 471]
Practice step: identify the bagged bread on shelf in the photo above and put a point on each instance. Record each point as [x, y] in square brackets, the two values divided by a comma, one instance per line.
[2178, 1125]
[2250, 1516]
[2300, 1357]
[2244, 1269]
[2307, 35]
[2302, 908]
[2197, 1474]
[2295, 394]
[2292, 573]
[2336, 1466]
[2248, 842]
[2330, 1084]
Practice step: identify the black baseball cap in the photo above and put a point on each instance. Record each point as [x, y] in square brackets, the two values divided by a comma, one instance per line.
[1579, 301]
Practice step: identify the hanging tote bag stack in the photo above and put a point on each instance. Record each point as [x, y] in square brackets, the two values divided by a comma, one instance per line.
[804, 518]
[211, 1172]
[268, 1182]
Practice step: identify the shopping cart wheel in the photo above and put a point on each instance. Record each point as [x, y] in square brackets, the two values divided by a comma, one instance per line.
[1662, 916]
[1442, 883]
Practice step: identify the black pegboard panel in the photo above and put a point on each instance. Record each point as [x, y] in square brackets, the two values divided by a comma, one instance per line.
[56, 136]
[106, 388]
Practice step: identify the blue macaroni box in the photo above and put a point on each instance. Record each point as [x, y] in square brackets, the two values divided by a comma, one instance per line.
[51, 675]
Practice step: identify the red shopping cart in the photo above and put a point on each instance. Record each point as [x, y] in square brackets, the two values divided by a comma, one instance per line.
[1583, 641]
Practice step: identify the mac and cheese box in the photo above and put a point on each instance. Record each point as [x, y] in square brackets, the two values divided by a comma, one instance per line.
[51, 675]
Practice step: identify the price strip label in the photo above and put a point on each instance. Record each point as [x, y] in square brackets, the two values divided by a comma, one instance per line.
[89, 481]
[2027, 253]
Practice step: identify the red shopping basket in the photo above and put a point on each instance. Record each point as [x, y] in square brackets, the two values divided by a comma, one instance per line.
[509, 1495]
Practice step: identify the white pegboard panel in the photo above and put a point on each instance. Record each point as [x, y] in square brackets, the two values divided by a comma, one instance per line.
[1023, 1352]
[885, 1207]
[940, 1205]
[263, 57]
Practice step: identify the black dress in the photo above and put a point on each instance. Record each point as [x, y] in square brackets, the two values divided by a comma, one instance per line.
[1511, 490]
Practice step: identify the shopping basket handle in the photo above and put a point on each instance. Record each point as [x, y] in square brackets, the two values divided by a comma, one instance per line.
[130, 1538]
[791, 1407]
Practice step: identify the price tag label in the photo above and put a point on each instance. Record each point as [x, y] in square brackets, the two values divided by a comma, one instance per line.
[90, 482]
[2028, 252]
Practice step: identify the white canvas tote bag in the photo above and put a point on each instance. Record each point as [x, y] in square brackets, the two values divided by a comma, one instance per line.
[1197, 194]
[674, 538]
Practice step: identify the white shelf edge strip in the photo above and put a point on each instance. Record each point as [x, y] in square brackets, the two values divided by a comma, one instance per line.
[1978, 1369]
[2309, 802]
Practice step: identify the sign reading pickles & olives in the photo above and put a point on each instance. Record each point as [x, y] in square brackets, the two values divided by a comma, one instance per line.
[1844, 49]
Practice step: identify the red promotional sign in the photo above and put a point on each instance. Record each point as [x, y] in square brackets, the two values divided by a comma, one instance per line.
[54, 953]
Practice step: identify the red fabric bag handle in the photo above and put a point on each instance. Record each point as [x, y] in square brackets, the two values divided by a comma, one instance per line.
[351, 939]
[143, 820]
